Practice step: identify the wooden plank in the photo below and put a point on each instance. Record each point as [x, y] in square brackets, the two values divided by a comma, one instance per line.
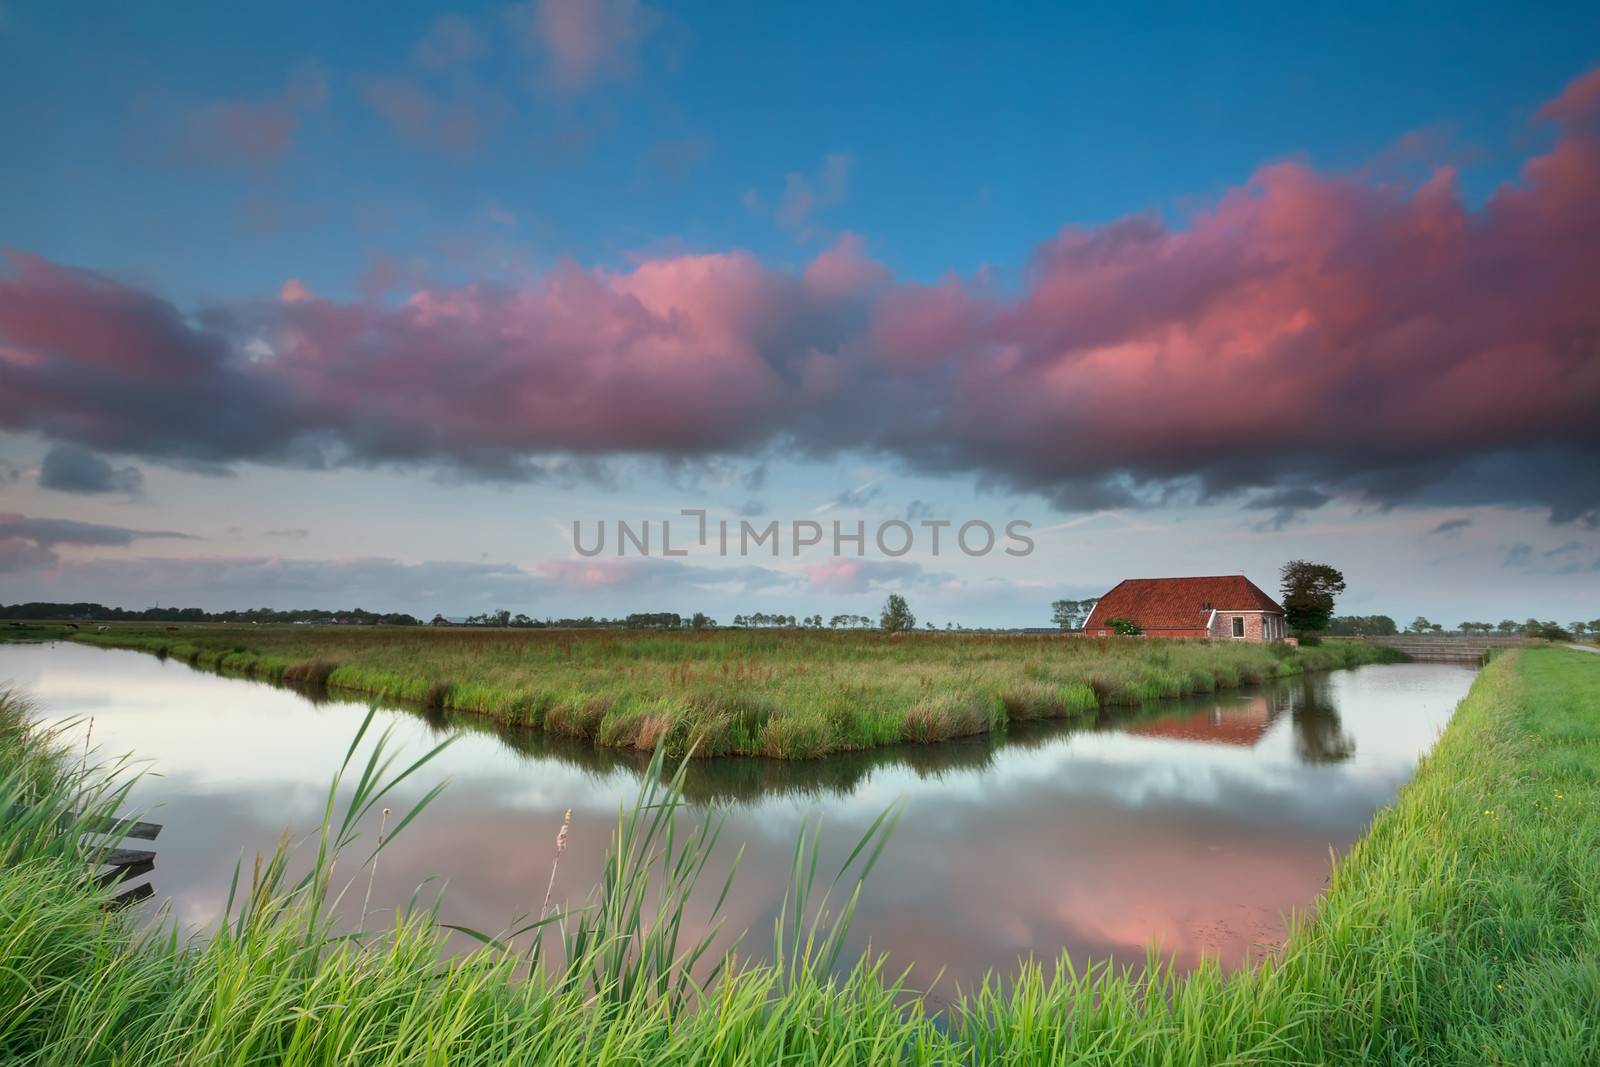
[126, 872]
[143, 831]
[130, 897]
[122, 857]
[98, 824]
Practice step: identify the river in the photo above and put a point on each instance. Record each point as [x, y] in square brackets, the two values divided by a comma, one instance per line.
[1196, 825]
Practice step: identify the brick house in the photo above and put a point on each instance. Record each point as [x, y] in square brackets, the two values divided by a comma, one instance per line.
[1220, 608]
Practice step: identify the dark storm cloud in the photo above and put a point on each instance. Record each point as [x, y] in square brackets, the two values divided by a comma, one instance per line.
[50, 532]
[28, 544]
[1286, 505]
[70, 469]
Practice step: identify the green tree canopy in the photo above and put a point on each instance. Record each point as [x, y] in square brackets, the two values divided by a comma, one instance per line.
[1070, 614]
[1308, 592]
[896, 615]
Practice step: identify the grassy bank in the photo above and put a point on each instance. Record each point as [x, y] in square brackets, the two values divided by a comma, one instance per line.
[1464, 928]
[785, 694]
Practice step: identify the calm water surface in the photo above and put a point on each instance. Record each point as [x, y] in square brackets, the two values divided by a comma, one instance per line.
[1196, 826]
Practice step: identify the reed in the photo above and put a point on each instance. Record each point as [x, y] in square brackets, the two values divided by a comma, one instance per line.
[789, 694]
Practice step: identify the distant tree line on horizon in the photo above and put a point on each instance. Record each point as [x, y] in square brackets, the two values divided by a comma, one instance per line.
[1549, 630]
[85, 611]
[1384, 626]
[639, 620]
[896, 617]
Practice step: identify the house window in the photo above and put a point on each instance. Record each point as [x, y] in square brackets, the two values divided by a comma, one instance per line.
[1238, 626]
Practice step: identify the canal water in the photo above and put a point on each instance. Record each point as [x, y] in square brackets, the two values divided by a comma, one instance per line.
[1195, 826]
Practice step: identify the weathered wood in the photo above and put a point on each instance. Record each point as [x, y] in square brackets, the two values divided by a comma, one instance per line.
[99, 824]
[143, 831]
[123, 857]
[125, 864]
[129, 897]
[125, 872]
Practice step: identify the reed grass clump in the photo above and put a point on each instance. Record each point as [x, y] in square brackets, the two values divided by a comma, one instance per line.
[313, 673]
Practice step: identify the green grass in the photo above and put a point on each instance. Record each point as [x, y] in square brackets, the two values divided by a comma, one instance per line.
[1463, 928]
[787, 694]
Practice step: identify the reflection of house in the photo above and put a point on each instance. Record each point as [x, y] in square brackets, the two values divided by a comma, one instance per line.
[1240, 724]
[1221, 607]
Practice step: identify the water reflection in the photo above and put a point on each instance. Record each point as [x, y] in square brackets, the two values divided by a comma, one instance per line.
[1195, 825]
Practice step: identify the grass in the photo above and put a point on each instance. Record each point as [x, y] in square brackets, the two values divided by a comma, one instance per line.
[788, 694]
[1463, 928]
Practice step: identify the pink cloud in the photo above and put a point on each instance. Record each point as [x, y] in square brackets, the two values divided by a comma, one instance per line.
[1307, 331]
[583, 42]
[447, 124]
[19, 554]
[254, 132]
[844, 270]
[1578, 104]
[804, 195]
[652, 575]
[842, 575]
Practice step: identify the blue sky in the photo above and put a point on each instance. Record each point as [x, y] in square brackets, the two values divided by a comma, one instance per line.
[973, 130]
[207, 156]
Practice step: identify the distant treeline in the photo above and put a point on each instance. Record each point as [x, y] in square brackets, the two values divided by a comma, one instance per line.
[100, 613]
[1383, 626]
[1361, 626]
[639, 620]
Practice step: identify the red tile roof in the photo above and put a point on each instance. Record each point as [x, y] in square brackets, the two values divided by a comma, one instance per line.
[1178, 603]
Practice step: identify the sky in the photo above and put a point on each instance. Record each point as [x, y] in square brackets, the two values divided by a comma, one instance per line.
[367, 305]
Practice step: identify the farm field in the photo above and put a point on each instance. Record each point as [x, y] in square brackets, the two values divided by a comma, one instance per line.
[786, 694]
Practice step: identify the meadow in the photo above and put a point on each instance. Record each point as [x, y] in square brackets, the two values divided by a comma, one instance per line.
[787, 694]
[1459, 930]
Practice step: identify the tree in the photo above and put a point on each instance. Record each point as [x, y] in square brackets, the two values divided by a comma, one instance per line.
[896, 615]
[1549, 631]
[1506, 626]
[1125, 627]
[1308, 592]
[1070, 614]
[1419, 625]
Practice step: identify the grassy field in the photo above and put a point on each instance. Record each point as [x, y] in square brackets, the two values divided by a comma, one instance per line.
[786, 694]
[1464, 928]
